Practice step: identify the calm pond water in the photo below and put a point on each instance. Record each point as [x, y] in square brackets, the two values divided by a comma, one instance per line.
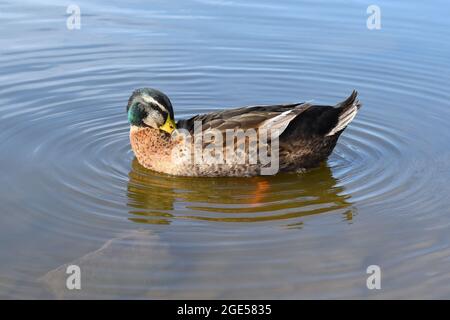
[71, 191]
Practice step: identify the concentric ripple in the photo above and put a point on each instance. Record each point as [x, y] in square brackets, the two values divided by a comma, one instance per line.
[72, 191]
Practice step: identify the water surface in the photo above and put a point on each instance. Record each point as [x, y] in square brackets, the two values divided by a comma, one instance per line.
[71, 191]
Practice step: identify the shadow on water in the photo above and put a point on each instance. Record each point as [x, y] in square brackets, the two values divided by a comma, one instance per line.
[159, 199]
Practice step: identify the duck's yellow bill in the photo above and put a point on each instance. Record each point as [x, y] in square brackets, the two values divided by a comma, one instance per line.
[169, 125]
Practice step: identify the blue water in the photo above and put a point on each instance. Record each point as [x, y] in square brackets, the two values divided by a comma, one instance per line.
[71, 191]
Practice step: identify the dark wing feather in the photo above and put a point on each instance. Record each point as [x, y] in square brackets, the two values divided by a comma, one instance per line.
[239, 118]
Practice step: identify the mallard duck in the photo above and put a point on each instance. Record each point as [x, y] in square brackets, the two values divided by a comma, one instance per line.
[306, 134]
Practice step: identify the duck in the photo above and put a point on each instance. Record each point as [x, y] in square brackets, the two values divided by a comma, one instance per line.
[296, 136]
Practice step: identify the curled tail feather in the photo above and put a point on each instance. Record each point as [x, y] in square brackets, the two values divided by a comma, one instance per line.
[348, 110]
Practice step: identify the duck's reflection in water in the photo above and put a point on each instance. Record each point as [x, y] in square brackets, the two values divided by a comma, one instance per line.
[159, 199]
[158, 257]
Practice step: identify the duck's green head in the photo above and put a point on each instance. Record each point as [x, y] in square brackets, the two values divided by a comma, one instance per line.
[151, 108]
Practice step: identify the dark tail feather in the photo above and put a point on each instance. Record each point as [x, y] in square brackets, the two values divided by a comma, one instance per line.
[322, 120]
[347, 110]
[352, 99]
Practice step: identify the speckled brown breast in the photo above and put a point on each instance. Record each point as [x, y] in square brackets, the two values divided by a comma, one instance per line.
[152, 149]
